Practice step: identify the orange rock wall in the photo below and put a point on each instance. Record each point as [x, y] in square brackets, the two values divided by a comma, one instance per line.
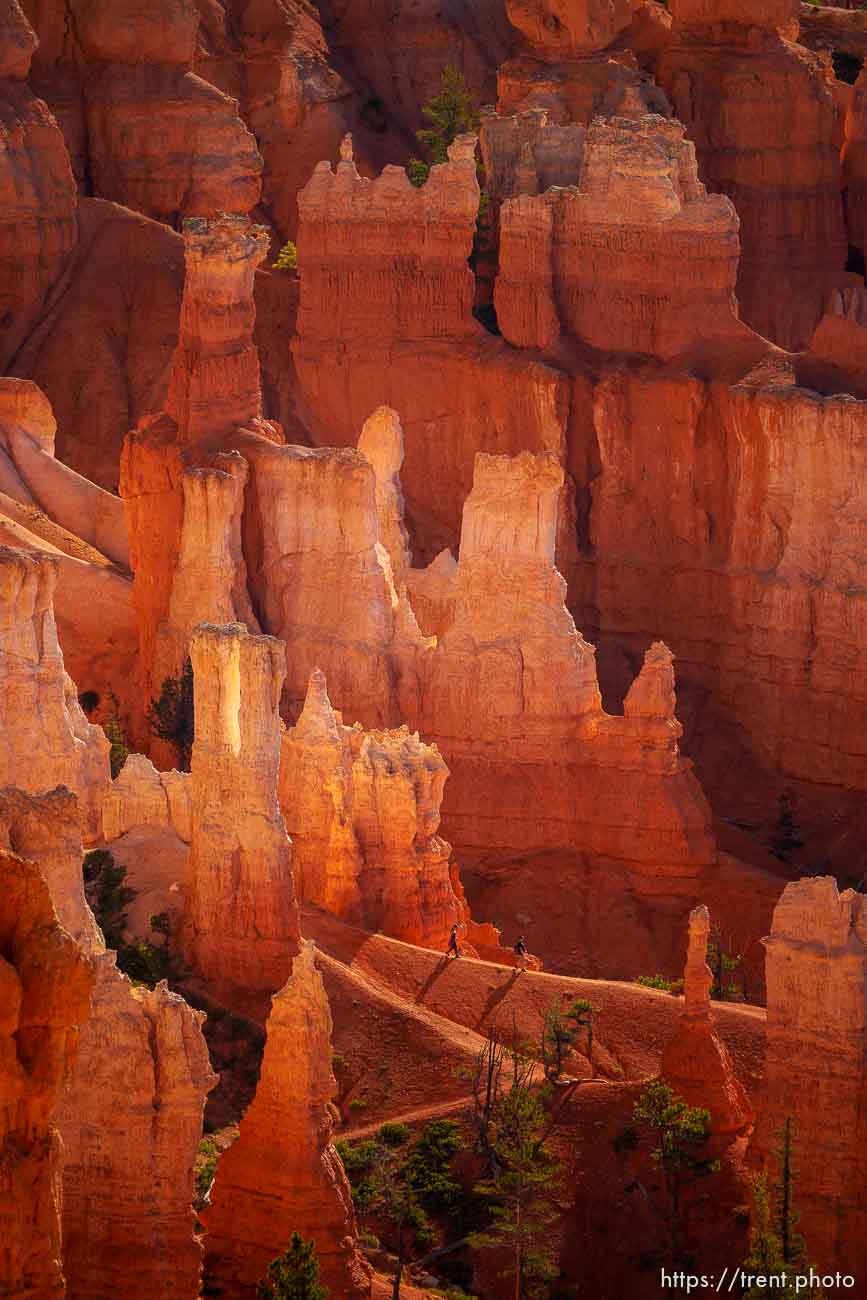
[511, 698]
[639, 259]
[130, 1114]
[45, 738]
[731, 85]
[39, 225]
[385, 319]
[727, 517]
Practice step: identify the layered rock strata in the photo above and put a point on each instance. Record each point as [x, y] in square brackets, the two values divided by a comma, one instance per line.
[732, 79]
[45, 983]
[757, 585]
[816, 959]
[385, 318]
[241, 920]
[130, 1115]
[45, 739]
[638, 258]
[149, 133]
[189, 568]
[696, 1062]
[512, 686]
[362, 808]
[283, 1175]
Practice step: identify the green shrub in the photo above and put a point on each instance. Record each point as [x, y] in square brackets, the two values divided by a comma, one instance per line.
[358, 1103]
[171, 716]
[660, 982]
[107, 894]
[206, 1168]
[119, 752]
[358, 1157]
[294, 1275]
[287, 258]
[394, 1134]
[428, 1170]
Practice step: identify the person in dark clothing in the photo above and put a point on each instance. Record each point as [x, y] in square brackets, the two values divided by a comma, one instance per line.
[453, 943]
[521, 953]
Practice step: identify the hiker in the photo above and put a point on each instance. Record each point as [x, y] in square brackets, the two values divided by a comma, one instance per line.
[453, 943]
[521, 953]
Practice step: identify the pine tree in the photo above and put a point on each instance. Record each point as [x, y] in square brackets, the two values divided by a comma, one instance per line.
[561, 1029]
[519, 1194]
[450, 113]
[294, 1275]
[680, 1132]
[172, 715]
[791, 1241]
[766, 1258]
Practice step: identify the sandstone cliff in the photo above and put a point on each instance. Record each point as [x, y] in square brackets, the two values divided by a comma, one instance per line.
[39, 225]
[385, 318]
[189, 567]
[732, 79]
[45, 982]
[510, 696]
[148, 132]
[241, 919]
[638, 259]
[283, 1175]
[45, 506]
[696, 1062]
[814, 1071]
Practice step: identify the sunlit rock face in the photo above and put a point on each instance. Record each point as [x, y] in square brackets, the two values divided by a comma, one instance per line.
[283, 1175]
[816, 958]
[241, 924]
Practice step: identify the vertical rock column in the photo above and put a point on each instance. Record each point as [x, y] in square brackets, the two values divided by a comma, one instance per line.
[182, 528]
[45, 982]
[242, 920]
[816, 959]
[283, 1175]
[696, 1062]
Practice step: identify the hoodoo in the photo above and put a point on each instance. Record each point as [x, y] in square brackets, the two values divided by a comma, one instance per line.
[433, 500]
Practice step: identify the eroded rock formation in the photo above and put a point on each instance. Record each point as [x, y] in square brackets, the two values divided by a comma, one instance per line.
[283, 1175]
[385, 317]
[362, 808]
[732, 79]
[45, 983]
[241, 919]
[696, 1062]
[130, 1115]
[189, 568]
[39, 225]
[511, 687]
[149, 133]
[45, 738]
[638, 259]
[816, 959]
